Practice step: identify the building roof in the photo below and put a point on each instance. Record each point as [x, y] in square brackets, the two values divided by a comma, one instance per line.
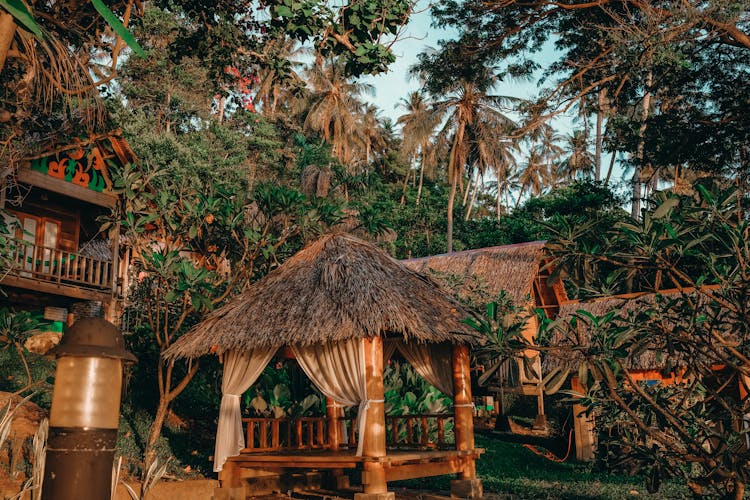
[336, 288]
[649, 356]
[509, 268]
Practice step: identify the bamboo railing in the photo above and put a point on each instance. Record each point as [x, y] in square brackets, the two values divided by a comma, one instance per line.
[429, 431]
[59, 266]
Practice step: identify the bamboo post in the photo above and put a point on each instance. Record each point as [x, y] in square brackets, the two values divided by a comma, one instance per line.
[333, 424]
[583, 427]
[373, 475]
[467, 485]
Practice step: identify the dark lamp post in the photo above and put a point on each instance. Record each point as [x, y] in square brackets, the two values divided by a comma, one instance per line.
[85, 411]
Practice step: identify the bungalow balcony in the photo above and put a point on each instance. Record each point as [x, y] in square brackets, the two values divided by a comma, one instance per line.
[53, 270]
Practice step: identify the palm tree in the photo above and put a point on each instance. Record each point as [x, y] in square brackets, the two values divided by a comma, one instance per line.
[546, 142]
[533, 176]
[579, 158]
[333, 108]
[369, 134]
[418, 129]
[278, 75]
[472, 116]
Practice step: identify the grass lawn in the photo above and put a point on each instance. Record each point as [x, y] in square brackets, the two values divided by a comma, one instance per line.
[508, 470]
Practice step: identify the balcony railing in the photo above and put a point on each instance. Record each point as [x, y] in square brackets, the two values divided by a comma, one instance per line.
[58, 266]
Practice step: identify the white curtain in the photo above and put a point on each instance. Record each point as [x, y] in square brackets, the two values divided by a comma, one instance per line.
[241, 370]
[338, 370]
[433, 362]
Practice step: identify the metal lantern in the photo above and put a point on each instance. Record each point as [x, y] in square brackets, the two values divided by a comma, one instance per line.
[85, 411]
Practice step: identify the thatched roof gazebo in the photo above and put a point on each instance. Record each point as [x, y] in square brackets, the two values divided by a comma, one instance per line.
[340, 307]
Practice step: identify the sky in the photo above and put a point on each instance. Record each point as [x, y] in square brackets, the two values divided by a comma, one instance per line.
[392, 86]
[419, 35]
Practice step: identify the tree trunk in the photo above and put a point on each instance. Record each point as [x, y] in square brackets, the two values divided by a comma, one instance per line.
[451, 200]
[454, 175]
[466, 191]
[155, 432]
[406, 184]
[7, 31]
[611, 167]
[599, 138]
[636, 181]
[520, 194]
[421, 179]
[472, 201]
[498, 202]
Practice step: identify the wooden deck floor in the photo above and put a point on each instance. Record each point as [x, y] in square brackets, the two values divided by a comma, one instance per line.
[398, 464]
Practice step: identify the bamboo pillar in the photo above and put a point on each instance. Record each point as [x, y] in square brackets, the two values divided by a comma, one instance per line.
[463, 407]
[373, 445]
[583, 427]
[333, 424]
[467, 485]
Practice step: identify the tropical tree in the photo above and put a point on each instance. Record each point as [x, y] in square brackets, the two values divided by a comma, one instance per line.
[667, 76]
[333, 108]
[533, 175]
[692, 429]
[579, 159]
[418, 127]
[473, 123]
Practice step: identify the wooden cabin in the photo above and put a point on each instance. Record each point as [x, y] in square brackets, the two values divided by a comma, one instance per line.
[63, 264]
[520, 272]
[340, 307]
[651, 365]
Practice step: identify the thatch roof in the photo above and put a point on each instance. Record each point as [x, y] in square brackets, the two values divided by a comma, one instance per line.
[652, 357]
[511, 268]
[337, 288]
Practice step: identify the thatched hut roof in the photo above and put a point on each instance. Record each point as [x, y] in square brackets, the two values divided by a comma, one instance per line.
[651, 357]
[336, 288]
[511, 268]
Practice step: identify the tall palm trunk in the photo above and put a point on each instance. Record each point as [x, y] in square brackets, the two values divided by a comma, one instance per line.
[454, 175]
[636, 181]
[472, 200]
[599, 138]
[469, 183]
[421, 177]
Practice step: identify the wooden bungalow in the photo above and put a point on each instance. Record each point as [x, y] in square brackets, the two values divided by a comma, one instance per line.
[341, 307]
[519, 271]
[651, 365]
[52, 202]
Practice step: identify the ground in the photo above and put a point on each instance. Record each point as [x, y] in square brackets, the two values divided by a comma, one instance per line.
[508, 471]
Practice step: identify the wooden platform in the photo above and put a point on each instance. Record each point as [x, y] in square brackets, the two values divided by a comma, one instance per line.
[398, 464]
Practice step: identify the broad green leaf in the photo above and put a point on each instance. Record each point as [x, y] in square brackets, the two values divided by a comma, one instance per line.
[665, 207]
[118, 27]
[18, 10]
[555, 380]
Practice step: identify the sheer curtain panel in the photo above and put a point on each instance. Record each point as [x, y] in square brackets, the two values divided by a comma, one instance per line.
[241, 370]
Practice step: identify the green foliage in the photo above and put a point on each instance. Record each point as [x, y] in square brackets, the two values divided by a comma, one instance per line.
[509, 469]
[21, 14]
[283, 391]
[117, 26]
[23, 371]
[693, 428]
